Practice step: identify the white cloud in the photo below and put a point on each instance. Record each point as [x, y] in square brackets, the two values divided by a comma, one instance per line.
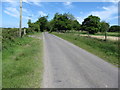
[22, 0]
[16, 2]
[79, 19]
[12, 11]
[41, 13]
[107, 12]
[15, 13]
[114, 1]
[37, 3]
[63, 0]
[67, 3]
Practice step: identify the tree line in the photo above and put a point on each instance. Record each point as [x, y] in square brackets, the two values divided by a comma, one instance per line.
[66, 22]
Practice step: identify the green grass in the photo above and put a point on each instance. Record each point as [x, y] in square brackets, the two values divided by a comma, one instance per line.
[106, 50]
[22, 63]
[0, 70]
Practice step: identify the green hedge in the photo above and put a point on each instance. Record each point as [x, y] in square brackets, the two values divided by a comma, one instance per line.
[8, 36]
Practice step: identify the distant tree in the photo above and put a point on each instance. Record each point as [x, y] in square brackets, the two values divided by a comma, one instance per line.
[36, 27]
[42, 21]
[114, 28]
[29, 23]
[104, 28]
[64, 22]
[91, 24]
[76, 25]
[30, 26]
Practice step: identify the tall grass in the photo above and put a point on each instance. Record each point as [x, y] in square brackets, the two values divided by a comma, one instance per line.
[22, 62]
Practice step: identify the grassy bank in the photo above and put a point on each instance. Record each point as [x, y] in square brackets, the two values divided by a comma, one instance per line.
[22, 63]
[106, 50]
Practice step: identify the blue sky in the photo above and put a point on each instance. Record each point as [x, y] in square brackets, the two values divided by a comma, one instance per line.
[107, 11]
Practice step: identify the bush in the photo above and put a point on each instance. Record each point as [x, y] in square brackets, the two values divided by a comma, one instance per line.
[8, 36]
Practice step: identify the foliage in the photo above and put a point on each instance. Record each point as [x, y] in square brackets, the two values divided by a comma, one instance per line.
[104, 26]
[64, 22]
[60, 23]
[39, 25]
[91, 24]
[22, 63]
[114, 28]
[8, 36]
[42, 21]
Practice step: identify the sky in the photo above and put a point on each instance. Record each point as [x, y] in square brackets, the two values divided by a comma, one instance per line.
[107, 11]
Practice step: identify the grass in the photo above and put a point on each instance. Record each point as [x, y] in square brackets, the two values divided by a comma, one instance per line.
[105, 50]
[22, 63]
[0, 70]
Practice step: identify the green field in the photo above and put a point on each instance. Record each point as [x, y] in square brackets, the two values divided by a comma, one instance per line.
[114, 34]
[106, 50]
[22, 63]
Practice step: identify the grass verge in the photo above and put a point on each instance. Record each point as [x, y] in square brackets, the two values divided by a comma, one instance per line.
[106, 50]
[22, 63]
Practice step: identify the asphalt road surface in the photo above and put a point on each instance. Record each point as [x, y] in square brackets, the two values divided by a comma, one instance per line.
[68, 66]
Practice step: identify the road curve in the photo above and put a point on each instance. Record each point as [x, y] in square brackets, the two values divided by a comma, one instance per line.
[68, 66]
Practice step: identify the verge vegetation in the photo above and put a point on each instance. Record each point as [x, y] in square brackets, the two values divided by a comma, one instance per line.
[22, 63]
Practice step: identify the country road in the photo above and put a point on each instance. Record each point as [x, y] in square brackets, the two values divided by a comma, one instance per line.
[68, 66]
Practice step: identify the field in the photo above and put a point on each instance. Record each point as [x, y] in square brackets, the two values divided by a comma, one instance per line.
[22, 62]
[106, 50]
[114, 34]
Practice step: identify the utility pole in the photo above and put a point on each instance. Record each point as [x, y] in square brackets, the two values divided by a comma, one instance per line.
[20, 28]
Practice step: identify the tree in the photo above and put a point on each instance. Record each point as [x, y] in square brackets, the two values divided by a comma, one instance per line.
[30, 26]
[36, 27]
[42, 21]
[114, 28]
[76, 25]
[104, 28]
[64, 22]
[29, 23]
[91, 24]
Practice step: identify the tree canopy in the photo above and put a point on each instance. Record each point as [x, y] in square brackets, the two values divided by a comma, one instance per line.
[114, 28]
[66, 22]
[104, 26]
[91, 24]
